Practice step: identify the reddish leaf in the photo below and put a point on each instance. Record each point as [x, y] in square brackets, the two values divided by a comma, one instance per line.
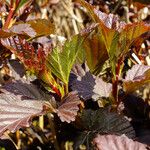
[96, 53]
[67, 110]
[34, 28]
[136, 77]
[5, 34]
[23, 28]
[88, 86]
[16, 113]
[113, 142]
[117, 36]
[42, 27]
[26, 53]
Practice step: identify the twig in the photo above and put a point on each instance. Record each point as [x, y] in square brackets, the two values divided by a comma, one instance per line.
[117, 6]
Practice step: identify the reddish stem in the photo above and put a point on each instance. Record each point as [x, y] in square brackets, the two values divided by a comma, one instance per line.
[10, 15]
[116, 80]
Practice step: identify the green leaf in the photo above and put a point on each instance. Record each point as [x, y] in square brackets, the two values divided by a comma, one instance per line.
[60, 62]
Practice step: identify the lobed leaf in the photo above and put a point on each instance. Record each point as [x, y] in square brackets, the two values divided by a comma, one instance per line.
[23, 90]
[19, 103]
[16, 113]
[101, 122]
[113, 142]
[136, 77]
[61, 62]
[67, 110]
[88, 86]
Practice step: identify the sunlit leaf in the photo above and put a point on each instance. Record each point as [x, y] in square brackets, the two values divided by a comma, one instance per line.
[33, 60]
[136, 77]
[23, 28]
[16, 113]
[61, 61]
[88, 86]
[117, 35]
[5, 34]
[34, 28]
[113, 142]
[132, 32]
[95, 51]
[67, 110]
[20, 101]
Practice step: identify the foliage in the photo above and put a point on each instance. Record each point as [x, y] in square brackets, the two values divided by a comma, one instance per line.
[83, 83]
[117, 142]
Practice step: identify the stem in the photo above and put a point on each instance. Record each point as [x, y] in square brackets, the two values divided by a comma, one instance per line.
[117, 6]
[116, 80]
[52, 126]
[66, 88]
[9, 17]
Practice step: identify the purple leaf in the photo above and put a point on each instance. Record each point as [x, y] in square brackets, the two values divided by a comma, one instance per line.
[23, 90]
[136, 77]
[88, 86]
[113, 142]
[16, 113]
[67, 110]
[17, 69]
[136, 73]
[23, 28]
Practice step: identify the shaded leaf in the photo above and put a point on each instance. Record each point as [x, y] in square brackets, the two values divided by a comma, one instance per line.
[16, 113]
[142, 1]
[24, 90]
[88, 86]
[67, 110]
[17, 69]
[60, 62]
[102, 122]
[113, 142]
[136, 77]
